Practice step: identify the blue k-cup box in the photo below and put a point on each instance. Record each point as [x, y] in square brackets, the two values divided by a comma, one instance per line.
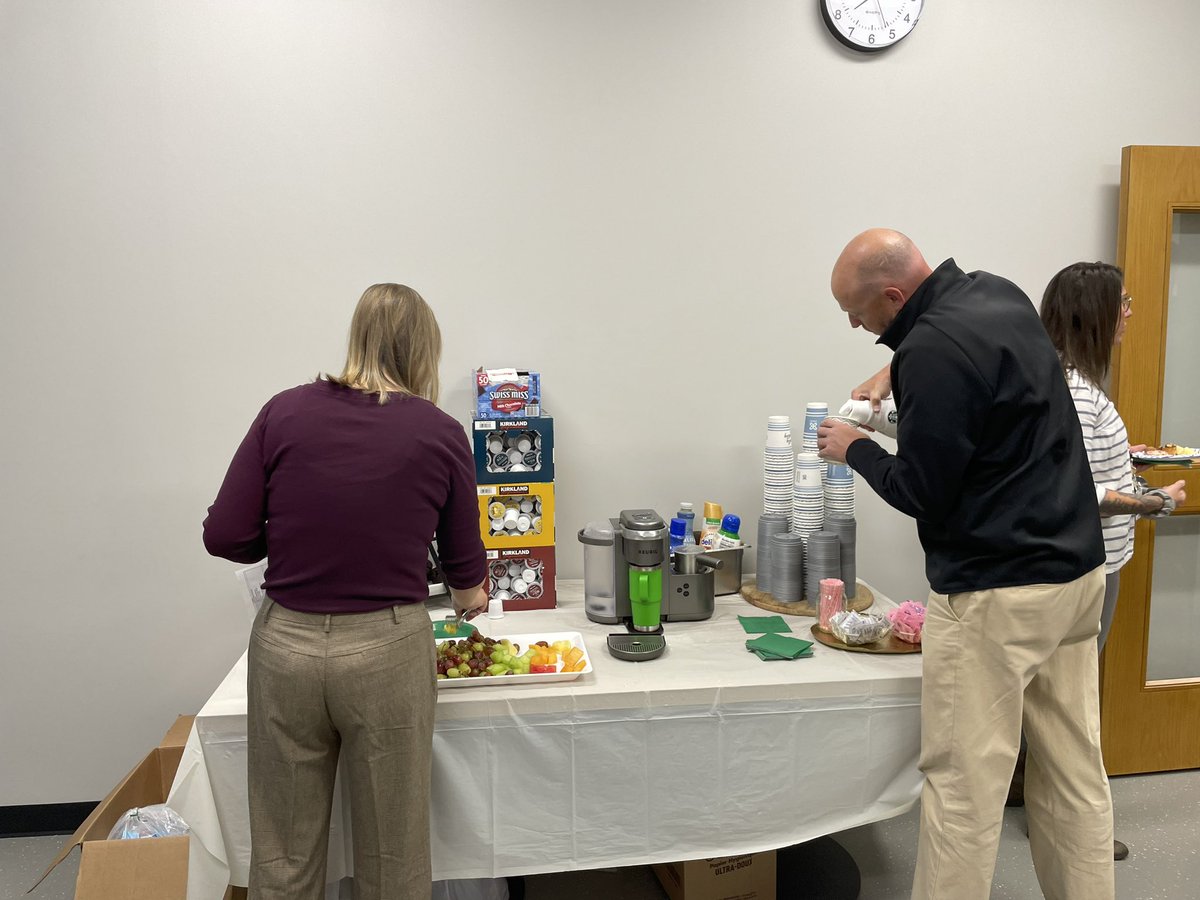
[513, 450]
[507, 394]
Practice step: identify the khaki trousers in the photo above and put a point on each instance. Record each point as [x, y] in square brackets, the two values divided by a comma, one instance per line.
[358, 686]
[993, 660]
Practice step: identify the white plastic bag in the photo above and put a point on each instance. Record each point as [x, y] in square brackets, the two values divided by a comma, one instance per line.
[148, 822]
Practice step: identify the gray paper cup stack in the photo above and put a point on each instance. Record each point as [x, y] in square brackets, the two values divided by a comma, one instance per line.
[846, 528]
[787, 567]
[769, 525]
[822, 559]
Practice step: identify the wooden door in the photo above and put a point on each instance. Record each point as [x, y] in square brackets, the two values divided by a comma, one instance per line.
[1150, 674]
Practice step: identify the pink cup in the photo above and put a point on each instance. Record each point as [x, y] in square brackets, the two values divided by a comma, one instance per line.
[833, 593]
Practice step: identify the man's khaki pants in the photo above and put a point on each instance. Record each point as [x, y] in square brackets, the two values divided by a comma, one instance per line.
[361, 686]
[994, 660]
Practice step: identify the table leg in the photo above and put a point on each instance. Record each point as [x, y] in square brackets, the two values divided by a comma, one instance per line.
[820, 869]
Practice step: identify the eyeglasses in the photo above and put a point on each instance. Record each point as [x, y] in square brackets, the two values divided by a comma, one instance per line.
[1126, 303]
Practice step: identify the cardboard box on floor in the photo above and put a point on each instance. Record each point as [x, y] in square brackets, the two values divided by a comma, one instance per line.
[145, 869]
[748, 877]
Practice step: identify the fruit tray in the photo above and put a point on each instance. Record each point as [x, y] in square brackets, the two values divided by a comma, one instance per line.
[525, 640]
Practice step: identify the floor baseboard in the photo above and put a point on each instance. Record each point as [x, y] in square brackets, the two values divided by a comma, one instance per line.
[43, 818]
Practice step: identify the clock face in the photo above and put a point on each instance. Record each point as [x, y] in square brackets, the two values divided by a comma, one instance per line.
[870, 25]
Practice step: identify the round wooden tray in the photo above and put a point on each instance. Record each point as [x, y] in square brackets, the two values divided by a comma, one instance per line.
[863, 599]
[890, 644]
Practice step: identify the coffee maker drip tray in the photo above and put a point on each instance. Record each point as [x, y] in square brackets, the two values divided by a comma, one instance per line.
[636, 647]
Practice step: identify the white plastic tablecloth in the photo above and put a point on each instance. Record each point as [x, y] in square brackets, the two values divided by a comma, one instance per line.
[706, 751]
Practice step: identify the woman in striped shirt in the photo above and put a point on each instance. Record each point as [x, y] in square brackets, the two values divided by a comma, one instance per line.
[1085, 310]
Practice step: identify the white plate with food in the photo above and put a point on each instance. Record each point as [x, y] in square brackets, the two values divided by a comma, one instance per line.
[1168, 454]
[570, 646]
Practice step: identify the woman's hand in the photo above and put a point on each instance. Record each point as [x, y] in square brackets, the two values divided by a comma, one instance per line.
[471, 601]
[1139, 467]
[875, 388]
[1176, 492]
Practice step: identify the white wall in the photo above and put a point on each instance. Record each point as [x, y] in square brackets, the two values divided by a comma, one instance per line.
[641, 199]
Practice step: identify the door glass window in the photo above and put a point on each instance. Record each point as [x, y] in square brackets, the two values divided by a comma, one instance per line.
[1174, 644]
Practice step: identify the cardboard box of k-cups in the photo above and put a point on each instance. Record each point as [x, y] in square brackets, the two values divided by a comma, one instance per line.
[513, 450]
[522, 578]
[516, 516]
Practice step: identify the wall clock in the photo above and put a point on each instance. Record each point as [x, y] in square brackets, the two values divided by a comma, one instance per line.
[870, 25]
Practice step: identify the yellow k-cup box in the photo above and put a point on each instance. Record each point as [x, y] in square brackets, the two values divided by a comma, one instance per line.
[512, 516]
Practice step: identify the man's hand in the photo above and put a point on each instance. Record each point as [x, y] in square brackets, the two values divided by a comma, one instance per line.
[834, 437]
[875, 388]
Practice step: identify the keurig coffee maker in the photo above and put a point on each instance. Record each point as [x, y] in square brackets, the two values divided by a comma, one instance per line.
[632, 578]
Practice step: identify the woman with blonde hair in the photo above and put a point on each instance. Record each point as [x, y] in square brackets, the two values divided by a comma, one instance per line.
[343, 483]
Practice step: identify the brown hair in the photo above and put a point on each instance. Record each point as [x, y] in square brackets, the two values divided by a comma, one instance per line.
[1081, 310]
[395, 345]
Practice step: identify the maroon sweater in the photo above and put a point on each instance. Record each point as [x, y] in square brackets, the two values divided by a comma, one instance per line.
[344, 495]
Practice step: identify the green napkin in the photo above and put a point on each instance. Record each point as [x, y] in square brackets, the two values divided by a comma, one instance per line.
[779, 646]
[465, 629]
[769, 657]
[763, 624]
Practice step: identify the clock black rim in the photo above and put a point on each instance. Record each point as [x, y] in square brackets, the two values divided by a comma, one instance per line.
[846, 42]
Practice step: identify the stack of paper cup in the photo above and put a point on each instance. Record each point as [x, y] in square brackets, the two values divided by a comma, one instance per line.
[822, 559]
[808, 495]
[839, 490]
[846, 529]
[777, 467]
[769, 525]
[814, 414]
[787, 567]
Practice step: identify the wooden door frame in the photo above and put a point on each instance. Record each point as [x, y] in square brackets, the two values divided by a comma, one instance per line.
[1147, 727]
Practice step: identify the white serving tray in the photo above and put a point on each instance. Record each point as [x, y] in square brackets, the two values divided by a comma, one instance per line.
[525, 641]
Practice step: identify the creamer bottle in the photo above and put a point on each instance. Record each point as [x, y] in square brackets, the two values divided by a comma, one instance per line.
[728, 537]
[712, 525]
[884, 421]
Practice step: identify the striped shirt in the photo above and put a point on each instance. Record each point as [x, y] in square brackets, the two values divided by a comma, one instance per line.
[1107, 445]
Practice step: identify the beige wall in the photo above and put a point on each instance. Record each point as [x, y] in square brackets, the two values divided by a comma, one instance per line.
[642, 199]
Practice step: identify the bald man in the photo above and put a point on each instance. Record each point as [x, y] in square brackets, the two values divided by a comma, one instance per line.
[990, 462]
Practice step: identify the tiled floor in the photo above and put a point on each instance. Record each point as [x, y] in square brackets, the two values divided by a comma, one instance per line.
[1157, 815]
